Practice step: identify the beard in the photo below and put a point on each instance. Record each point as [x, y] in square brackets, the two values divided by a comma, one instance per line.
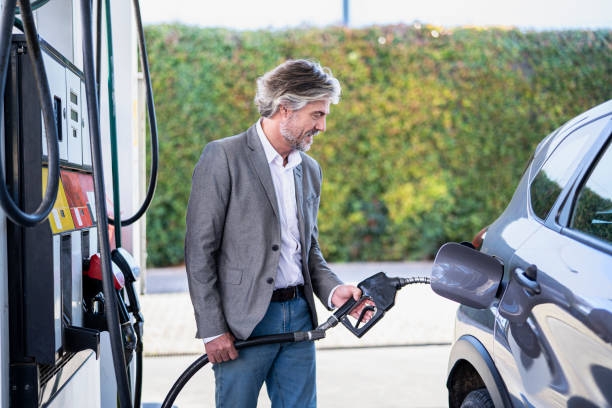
[297, 137]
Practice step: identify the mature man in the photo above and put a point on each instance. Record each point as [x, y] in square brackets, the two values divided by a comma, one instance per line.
[251, 247]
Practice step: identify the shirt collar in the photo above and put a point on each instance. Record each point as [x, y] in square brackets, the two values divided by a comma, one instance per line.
[271, 154]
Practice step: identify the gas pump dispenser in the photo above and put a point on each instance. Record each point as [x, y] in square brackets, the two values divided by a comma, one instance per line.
[66, 290]
[46, 269]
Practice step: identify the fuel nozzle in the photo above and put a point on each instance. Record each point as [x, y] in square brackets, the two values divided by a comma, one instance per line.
[380, 289]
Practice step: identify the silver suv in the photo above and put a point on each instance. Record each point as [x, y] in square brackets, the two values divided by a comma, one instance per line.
[535, 325]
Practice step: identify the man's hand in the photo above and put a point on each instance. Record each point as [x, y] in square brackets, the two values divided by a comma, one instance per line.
[221, 349]
[344, 293]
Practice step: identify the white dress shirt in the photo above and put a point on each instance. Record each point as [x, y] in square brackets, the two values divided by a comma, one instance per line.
[289, 272]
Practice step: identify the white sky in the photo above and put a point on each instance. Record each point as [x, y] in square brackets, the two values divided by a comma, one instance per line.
[256, 14]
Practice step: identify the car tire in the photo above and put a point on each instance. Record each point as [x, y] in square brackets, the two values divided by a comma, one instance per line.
[479, 398]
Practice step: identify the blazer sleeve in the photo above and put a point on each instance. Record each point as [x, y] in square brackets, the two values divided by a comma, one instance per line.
[206, 210]
[323, 279]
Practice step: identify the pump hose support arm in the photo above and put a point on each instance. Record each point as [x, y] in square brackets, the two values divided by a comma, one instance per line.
[110, 305]
[12, 210]
[378, 288]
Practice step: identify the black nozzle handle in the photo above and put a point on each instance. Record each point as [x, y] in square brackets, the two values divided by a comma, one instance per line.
[341, 313]
[346, 308]
[358, 330]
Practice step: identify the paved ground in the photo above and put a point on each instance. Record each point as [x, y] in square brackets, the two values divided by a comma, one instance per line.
[385, 377]
[400, 362]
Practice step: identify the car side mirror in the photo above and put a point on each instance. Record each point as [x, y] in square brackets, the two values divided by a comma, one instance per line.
[465, 275]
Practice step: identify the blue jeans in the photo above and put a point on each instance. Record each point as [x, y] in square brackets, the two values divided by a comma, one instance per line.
[288, 369]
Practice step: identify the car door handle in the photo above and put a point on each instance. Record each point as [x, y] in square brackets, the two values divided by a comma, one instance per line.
[528, 279]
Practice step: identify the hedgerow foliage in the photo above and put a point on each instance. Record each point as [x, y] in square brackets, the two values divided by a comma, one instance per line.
[426, 146]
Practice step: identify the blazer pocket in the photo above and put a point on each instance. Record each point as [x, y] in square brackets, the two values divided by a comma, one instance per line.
[231, 276]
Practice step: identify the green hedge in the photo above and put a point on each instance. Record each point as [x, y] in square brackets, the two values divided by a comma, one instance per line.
[426, 146]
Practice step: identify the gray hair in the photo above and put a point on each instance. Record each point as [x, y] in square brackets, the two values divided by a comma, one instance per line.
[294, 84]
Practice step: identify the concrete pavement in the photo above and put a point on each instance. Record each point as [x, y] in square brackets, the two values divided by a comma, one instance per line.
[385, 377]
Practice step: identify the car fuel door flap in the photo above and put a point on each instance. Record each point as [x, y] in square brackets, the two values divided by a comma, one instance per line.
[466, 276]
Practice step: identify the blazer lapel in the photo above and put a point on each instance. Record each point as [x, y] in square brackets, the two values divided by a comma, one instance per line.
[299, 200]
[257, 156]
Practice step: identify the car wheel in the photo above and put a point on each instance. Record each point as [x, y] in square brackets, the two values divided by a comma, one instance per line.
[479, 398]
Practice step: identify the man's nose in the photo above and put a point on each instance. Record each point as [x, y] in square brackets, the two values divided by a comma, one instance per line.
[320, 125]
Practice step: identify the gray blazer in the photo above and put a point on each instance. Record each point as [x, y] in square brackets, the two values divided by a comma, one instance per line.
[233, 236]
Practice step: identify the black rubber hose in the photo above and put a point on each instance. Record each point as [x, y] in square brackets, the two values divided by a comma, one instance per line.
[144, 61]
[98, 45]
[203, 360]
[110, 305]
[138, 329]
[14, 213]
[138, 383]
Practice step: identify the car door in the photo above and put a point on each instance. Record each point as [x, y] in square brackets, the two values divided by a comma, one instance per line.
[554, 323]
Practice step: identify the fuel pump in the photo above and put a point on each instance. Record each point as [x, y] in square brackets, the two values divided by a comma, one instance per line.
[64, 288]
[46, 329]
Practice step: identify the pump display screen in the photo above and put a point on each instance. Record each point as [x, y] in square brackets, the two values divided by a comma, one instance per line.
[74, 115]
[74, 98]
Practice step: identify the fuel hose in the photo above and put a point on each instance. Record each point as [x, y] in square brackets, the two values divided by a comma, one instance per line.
[144, 62]
[12, 210]
[111, 311]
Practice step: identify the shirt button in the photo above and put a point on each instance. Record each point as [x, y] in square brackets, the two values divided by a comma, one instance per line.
[275, 247]
[270, 280]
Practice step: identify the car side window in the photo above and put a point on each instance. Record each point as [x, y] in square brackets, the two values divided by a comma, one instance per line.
[559, 167]
[593, 210]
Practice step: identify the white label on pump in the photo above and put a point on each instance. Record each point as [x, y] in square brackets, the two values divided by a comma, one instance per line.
[58, 222]
[78, 216]
[91, 198]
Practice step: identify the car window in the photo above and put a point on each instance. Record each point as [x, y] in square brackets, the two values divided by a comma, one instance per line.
[593, 210]
[559, 167]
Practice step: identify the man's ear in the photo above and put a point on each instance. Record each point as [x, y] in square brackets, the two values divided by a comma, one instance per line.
[284, 112]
